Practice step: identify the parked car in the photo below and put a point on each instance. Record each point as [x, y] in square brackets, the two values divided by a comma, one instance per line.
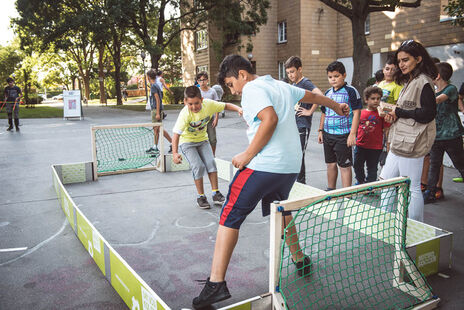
[43, 96]
[58, 97]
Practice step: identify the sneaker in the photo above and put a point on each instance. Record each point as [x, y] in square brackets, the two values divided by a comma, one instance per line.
[203, 203]
[153, 150]
[423, 187]
[303, 267]
[458, 180]
[17, 128]
[439, 194]
[211, 293]
[218, 198]
[429, 197]
[10, 128]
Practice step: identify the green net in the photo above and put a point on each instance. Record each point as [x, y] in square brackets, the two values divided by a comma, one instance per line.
[124, 148]
[356, 246]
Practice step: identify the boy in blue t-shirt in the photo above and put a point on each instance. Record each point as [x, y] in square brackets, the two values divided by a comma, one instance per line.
[267, 168]
[304, 110]
[13, 95]
[338, 133]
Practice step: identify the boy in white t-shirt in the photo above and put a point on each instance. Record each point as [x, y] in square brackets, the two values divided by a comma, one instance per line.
[268, 167]
[190, 133]
[209, 93]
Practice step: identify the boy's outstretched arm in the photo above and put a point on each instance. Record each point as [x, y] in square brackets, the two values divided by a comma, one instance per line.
[339, 108]
[265, 131]
[233, 107]
[176, 157]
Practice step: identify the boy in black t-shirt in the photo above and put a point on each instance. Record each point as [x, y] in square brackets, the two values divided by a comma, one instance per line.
[304, 110]
[13, 95]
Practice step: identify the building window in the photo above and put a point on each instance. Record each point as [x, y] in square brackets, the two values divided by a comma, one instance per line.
[367, 24]
[203, 68]
[201, 39]
[282, 32]
[282, 73]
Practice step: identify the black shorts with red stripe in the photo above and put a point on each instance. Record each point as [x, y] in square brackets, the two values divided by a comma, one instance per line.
[249, 187]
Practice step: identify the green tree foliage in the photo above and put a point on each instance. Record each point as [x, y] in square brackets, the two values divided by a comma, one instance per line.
[455, 8]
[10, 60]
[152, 21]
[357, 11]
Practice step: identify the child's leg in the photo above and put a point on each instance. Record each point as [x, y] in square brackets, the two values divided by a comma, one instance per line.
[213, 179]
[226, 239]
[10, 120]
[332, 174]
[16, 116]
[372, 160]
[347, 176]
[304, 137]
[358, 165]
[212, 136]
[435, 160]
[425, 170]
[190, 151]
[455, 150]
[206, 154]
[199, 186]
[156, 134]
[167, 136]
[293, 242]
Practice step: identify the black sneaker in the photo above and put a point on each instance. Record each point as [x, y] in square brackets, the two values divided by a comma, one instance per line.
[10, 128]
[303, 267]
[429, 197]
[218, 198]
[211, 293]
[17, 128]
[203, 203]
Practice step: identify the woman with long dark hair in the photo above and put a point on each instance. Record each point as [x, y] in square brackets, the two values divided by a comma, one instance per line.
[413, 120]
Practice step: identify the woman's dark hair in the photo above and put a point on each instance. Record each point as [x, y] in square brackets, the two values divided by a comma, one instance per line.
[192, 92]
[426, 66]
[230, 66]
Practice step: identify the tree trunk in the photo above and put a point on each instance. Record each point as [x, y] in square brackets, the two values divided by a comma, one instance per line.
[117, 66]
[362, 56]
[155, 58]
[101, 74]
[87, 85]
[26, 91]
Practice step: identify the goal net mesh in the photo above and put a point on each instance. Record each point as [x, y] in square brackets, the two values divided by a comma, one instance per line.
[355, 243]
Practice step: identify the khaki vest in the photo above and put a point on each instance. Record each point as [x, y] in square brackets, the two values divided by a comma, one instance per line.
[407, 137]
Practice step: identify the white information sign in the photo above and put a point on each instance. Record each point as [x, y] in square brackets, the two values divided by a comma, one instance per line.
[72, 104]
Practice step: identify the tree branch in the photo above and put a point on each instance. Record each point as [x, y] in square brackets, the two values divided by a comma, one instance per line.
[339, 8]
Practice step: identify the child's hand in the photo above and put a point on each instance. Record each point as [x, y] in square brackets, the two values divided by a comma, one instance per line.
[303, 112]
[240, 112]
[214, 122]
[176, 158]
[351, 141]
[241, 160]
[320, 139]
[158, 117]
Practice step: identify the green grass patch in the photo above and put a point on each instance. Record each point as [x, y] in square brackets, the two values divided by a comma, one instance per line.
[36, 112]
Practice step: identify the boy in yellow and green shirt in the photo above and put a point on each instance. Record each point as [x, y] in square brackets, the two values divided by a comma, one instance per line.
[191, 138]
[391, 90]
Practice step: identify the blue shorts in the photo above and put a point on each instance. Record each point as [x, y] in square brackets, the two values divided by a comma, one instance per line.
[249, 187]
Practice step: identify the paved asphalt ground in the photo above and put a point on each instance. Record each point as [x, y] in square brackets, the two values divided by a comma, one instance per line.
[139, 214]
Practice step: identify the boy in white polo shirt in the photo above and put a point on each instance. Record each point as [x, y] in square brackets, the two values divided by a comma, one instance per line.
[268, 167]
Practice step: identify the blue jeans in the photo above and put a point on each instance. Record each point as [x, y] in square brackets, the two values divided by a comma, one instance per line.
[371, 158]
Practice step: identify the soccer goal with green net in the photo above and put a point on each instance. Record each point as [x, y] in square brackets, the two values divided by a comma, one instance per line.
[126, 148]
[355, 240]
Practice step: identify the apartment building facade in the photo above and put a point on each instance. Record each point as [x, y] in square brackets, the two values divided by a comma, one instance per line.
[320, 35]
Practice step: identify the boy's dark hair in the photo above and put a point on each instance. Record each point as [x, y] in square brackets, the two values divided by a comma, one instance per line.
[293, 61]
[8, 80]
[230, 66]
[445, 70]
[369, 91]
[159, 72]
[426, 66]
[151, 74]
[202, 74]
[336, 66]
[390, 60]
[379, 76]
[192, 92]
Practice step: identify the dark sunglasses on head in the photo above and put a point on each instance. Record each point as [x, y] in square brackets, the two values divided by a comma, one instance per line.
[407, 42]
